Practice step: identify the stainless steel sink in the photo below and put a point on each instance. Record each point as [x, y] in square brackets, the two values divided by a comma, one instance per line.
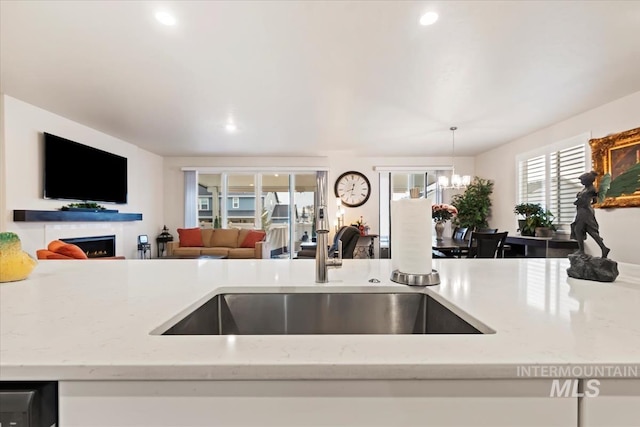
[322, 313]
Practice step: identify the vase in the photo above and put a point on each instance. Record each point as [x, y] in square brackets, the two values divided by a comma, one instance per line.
[439, 229]
[543, 232]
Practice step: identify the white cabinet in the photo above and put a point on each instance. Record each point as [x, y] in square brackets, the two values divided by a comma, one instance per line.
[617, 405]
[313, 403]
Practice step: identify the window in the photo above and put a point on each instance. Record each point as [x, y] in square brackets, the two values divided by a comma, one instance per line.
[279, 200]
[550, 178]
[209, 200]
[203, 203]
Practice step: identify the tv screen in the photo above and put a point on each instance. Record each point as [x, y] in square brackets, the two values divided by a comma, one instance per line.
[74, 171]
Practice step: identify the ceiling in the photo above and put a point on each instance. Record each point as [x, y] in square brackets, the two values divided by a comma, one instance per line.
[301, 78]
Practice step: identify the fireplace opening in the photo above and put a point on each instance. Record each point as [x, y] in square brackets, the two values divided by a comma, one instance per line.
[95, 246]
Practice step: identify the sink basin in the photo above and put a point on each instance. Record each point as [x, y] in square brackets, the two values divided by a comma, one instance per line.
[322, 313]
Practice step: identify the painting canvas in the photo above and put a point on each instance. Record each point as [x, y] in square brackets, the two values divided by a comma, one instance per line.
[616, 159]
[623, 158]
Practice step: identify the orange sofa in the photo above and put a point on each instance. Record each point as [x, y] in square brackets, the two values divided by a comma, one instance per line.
[231, 242]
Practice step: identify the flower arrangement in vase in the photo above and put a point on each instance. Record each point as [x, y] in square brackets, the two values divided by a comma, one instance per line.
[442, 213]
[361, 226]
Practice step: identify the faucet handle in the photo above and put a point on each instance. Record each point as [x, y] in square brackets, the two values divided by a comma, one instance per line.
[335, 262]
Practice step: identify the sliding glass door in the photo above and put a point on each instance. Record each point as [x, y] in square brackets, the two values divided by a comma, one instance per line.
[281, 203]
[276, 213]
[209, 196]
[241, 201]
[304, 202]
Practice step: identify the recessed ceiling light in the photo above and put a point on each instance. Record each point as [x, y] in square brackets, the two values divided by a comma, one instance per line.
[231, 127]
[428, 18]
[165, 18]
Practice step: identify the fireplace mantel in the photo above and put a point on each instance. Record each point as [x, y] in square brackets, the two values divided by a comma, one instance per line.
[47, 216]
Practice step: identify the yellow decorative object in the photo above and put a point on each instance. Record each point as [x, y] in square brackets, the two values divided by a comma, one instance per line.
[14, 263]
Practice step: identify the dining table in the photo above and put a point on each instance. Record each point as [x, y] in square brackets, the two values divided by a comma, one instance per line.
[450, 247]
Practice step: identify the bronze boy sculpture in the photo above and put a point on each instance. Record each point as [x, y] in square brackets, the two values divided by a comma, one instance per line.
[585, 221]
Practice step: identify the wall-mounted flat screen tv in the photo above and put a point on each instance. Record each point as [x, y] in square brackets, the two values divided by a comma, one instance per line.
[74, 171]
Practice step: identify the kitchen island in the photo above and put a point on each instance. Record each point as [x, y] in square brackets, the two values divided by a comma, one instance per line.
[95, 326]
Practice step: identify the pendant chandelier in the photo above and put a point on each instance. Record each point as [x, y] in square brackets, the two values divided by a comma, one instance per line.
[457, 181]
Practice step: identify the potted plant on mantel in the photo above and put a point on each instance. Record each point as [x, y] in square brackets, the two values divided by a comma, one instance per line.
[537, 220]
[83, 207]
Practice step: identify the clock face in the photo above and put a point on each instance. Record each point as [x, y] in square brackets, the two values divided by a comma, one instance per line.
[353, 189]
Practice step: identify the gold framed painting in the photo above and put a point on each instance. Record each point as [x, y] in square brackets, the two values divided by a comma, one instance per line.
[616, 159]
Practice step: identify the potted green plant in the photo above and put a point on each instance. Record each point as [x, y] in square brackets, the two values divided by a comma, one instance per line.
[544, 224]
[526, 211]
[474, 204]
[537, 220]
[87, 206]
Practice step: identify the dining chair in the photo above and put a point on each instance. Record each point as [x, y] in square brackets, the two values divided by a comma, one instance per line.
[487, 230]
[506, 248]
[460, 233]
[487, 245]
[347, 234]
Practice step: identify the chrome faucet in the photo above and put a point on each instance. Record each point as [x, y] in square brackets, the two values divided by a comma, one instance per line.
[323, 262]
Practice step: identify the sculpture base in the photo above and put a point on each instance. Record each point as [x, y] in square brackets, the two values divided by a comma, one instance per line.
[587, 267]
[416, 279]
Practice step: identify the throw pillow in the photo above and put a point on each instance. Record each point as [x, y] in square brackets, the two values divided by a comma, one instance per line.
[252, 238]
[47, 254]
[190, 237]
[55, 245]
[72, 251]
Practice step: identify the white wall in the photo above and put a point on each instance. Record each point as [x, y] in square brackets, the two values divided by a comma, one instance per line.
[23, 125]
[3, 176]
[337, 162]
[618, 227]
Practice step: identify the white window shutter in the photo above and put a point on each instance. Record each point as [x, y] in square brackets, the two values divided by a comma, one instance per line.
[566, 166]
[551, 179]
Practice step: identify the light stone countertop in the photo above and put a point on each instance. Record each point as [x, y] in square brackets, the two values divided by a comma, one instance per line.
[92, 320]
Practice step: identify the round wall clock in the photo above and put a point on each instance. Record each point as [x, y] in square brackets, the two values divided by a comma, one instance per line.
[353, 188]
